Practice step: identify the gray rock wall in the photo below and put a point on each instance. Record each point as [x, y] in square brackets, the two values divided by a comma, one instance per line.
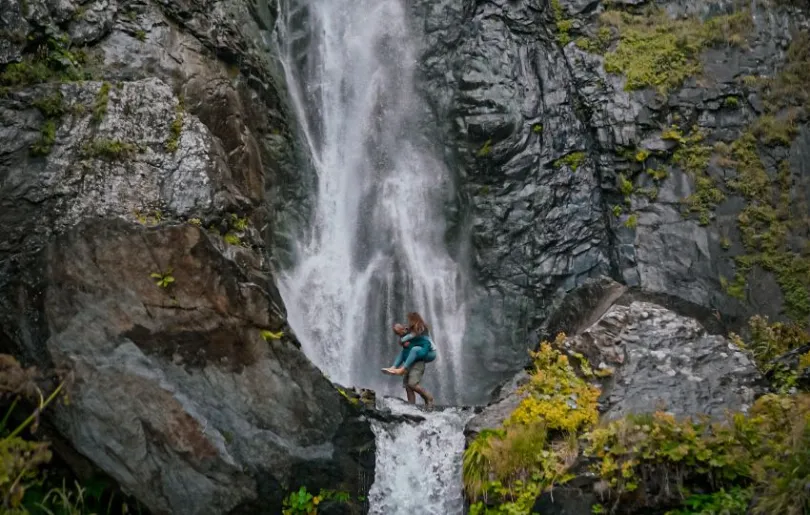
[148, 164]
[542, 137]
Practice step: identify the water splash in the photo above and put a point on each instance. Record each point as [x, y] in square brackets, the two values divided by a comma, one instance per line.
[418, 465]
[376, 246]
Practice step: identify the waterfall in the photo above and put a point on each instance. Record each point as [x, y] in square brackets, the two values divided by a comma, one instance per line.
[375, 248]
[418, 464]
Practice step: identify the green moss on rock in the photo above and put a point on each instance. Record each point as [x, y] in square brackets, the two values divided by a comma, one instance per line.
[657, 51]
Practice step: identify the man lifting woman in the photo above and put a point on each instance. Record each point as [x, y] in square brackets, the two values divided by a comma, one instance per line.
[417, 350]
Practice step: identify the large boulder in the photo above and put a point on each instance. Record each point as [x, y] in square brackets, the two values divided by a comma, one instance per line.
[653, 359]
[147, 166]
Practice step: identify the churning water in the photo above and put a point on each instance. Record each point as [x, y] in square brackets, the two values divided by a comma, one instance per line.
[376, 246]
[418, 464]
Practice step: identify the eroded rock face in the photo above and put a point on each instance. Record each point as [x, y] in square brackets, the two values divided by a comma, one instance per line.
[542, 138]
[137, 207]
[661, 361]
[666, 362]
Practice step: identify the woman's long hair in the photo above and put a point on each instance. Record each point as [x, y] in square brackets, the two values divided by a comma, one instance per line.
[416, 324]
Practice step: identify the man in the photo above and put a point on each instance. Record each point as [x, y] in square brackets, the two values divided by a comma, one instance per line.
[412, 374]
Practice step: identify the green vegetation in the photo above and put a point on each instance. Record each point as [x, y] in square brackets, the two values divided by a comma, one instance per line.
[732, 502]
[108, 148]
[485, 149]
[53, 61]
[631, 222]
[50, 106]
[47, 137]
[572, 161]
[270, 335]
[657, 51]
[754, 463]
[732, 102]
[232, 238]
[537, 128]
[692, 156]
[625, 185]
[301, 502]
[505, 469]
[598, 44]
[102, 101]
[617, 210]
[769, 341]
[176, 129]
[562, 23]
[766, 451]
[29, 481]
[163, 279]
[140, 35]
[151, 219]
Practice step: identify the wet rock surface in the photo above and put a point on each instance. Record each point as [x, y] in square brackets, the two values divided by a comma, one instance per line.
[547, 147]
[147, 168]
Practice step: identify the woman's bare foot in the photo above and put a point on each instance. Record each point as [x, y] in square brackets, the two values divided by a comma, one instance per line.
[398, 371]
[387, 370]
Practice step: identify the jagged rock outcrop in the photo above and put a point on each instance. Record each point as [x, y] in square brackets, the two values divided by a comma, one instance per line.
[658, 360]
[645, 358]
[147, 166]
[570, 171]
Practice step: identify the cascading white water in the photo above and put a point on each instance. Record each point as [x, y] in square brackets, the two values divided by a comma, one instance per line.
[418, 465]
[376, 247]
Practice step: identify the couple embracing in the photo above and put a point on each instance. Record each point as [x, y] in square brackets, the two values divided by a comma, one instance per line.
[417, 349]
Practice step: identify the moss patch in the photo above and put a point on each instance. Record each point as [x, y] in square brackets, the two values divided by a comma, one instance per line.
[176, 129]
[657, 51]
[572, 161]
[111, 149]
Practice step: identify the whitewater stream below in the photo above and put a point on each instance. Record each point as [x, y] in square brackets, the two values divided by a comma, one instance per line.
[375, 247]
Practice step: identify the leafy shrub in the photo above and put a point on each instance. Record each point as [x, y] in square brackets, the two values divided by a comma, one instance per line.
[301, 502]
[537, 445]
[770, 449]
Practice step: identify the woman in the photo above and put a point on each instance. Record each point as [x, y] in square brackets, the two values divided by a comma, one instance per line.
[417, 349]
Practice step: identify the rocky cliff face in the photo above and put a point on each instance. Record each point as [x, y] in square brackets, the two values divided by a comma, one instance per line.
[661, 144]
[147, 164]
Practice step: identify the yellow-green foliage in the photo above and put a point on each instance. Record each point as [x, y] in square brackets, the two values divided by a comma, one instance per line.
[766, 223]
[769, 448]
[47, 137]
[52, 62]
[509, 467]
[625, 185]
[692, 156]
[557, 396]
[657, 51]
[563, 24]
[804, 361]
[485, 149]
[769, 341]
[102, 101]
[631, 222]
[108, 148]
[572, 161]
[789, 88]
[176, 129]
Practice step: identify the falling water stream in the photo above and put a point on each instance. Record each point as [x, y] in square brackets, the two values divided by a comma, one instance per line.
[375, 248]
